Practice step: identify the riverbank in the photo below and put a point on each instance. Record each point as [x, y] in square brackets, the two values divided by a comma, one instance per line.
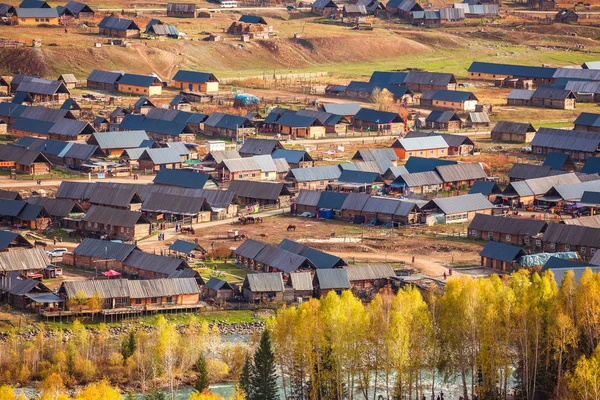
[225, 329]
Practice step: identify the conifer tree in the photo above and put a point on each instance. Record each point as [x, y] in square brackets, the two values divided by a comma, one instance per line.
[202, 379]
[263, 377]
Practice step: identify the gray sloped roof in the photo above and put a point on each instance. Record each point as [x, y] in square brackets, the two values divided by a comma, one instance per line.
[182, 246]
[574, 191]
[267, 282]
[520, 94]
[265, 163]
[241, 164]
[332, 278]
[396, 171]
[9, 195]
[430, 78]
[513, 127]
[566, 140]
[117, 197]
[181, 177]
[39, 85]
[260, 146]
[382, 205]
[586, 74]
[301, 281]
[423, 143]
[529, 171]
[325, 172]
[120, 140]
[108, 77]
[308, 197]
[408, 206]
[506, 225]
[501, 251]
[6, 238]
[539, 186]
[368, 272]
[104, 249]
[281, 259]
[418, 179]
[479, 117]
[218, 284]
[16, 284]
[332, 200]
[165, 155]
[11, 208]
[355, 201]
[376, 154]
[25, 259]
[258, 190]
[249, 249]
[486, 188]
[118, 24]
[318, 258]
[148, 288]
[154, 262]
[220, 155]
[342, 108]
[441, 116]
[71, 127]
[460, 204]
[461, 172]
[573, 235]
[112, 216]
[552, 93]
[135, 289]
[75, 190]
[55, 207]
[173, 204]
[45, 113]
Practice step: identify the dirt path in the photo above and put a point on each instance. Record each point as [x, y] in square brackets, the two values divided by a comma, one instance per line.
[428, 266]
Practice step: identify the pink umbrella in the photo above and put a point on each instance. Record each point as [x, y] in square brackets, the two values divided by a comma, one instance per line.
[111, 274]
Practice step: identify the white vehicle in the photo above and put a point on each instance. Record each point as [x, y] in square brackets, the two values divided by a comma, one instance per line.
[229, 4]
[59, 252]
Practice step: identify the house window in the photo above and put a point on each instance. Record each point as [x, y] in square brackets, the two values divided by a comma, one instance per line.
[421, 153]
[490, 235]
[253, 175]
[430, 151]
[266, 175]
[551, 245]
[138, 301]
[567, 247]
[47, 19]
[137, 89]
[538, 243]
[145, 90]
[153, 300]
[473, 232]
[169, 299]
[538, 150]
[508, 238]
[582, 250]
[592, 251]
[95, 224]
[128, 230]
[122, 229]
[526, 239]
[37, 20]
[22, 19]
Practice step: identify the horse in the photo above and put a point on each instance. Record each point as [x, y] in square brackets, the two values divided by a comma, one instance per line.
[250, 220]
[241, 236]
[291, 228]
[258, 220]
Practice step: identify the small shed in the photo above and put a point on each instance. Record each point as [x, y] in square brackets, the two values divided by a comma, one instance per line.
[263, 287]
[69, 80]
[219, 290]
[330, 280]
[501, 256]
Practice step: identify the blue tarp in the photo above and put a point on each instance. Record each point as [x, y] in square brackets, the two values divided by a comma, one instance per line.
[247, 98]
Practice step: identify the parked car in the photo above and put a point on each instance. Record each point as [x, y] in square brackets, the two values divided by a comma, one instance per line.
[58, 252]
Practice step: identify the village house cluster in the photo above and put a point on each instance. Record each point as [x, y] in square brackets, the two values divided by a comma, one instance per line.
[221, 166]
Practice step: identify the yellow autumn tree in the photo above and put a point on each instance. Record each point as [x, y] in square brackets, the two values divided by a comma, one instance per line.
[205, 395]
[99, 391]
[6, 393]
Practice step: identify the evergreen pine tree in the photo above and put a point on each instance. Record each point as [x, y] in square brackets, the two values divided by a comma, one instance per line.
[264, 379]
[202, 379]
[246, 378]
[128, 345]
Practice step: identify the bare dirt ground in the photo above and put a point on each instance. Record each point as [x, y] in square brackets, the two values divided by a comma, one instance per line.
[361, 245]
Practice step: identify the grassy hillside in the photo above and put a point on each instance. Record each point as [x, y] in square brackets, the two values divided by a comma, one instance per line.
[324, 46]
